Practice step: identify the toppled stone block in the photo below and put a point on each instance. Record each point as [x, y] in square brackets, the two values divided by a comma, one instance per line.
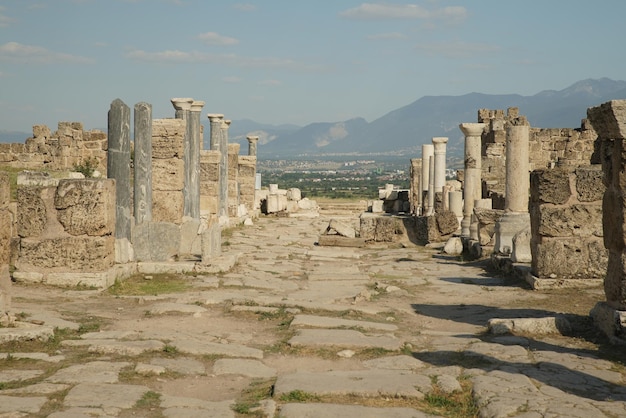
[340, 228]
[294, 194]
[533, 326]
[86, 206]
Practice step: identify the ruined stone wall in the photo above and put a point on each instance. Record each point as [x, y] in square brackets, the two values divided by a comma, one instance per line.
[59, 151]
[168, 170]
[233, 183]
[547, 148]
[209, 181]
[65, 228]
[566, 223]
[6, 228]
[247, 180]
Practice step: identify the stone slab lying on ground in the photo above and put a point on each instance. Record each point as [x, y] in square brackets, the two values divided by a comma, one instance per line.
[198, 347]
[33, 356]
[168, 307]
[180, 407]
[318, 410]
[17, 404]
[26, 332]
[402, 362]
[37, 389]
[249, 368]
[92, 372]
[340, 241]
[365, 383]
[343, 338]
[535, 326]
[103, 395]
[122, 348]
[328, 322]
[186, 366]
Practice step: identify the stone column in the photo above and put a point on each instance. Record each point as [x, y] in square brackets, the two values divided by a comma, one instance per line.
[216, 129]
[416, 186]
[427, 152]
[439, 144]
[223, 208]
[456, 204]
[142, 199]
[430, 207]
[6, 228]
[252, 143]
[118, 168]
[193, 167]
[516, 217]
[472, 187]
[183, 111]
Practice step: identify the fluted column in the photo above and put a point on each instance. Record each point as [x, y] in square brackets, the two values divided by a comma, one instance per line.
[427, 152]
[472, 187]
[252, 143]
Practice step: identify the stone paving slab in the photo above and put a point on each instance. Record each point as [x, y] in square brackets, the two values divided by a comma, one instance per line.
[170, 307]
[37, 389]
[325, 410]
[365, 383]
[343, 338]
[24, 331]
[12, 404]
[122, 348]
[197, 347]
[180, 407]
[19, 375]
[92, 372]
[329, 322]
[402, 362]
[102, 395]
[244, 367]
[185, 366]
[33, 356]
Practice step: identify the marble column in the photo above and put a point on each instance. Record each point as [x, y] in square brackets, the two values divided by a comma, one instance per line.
[215, 119]
[252, 143]
[427, 152]
[472, 187]
[193, 167]
[516, 217]
[142, 186]
[118, 168]
[430, 206]
[416, 186]
[439, 144]
[223, 206]
[183, 111]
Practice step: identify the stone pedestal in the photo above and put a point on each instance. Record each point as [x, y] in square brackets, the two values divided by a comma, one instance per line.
[472, 188]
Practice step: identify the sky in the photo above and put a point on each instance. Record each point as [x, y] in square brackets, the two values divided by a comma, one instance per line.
[291, 61]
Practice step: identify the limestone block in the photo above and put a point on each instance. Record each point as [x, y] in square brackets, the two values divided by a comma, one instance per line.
[447, 222]
[168, 174]
[589, 185]
[167, 206]
[210, 189]
[307, 204]
[294, 194]
[5, 293]
[367, 226]
[276, 203]
[246, 171]
[5, 189]
[167, 138]
[34, 178]
[521, 247]
[292, 206]
[568, 221]
[190, 239]
[454, 246]
[86, 206]
[32, 213]
[209, 172]
[550, 186]
[615, 282]
[156, 241]
[569, 258]
[211, 239]
[73, 253]
[41, 131]
[341, 228]
[609, 119]
[377, 206]
[6, 227]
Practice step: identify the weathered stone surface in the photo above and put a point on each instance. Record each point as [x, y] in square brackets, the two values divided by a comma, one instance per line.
[156, 241]
[167, 206]
[86, 206]
[6, 229]
[343, 338]
[340, 241]
[615, 280]
[32, 213]
[16, 405]
[317, 410]
[447, 222]
[190, 238]
[328, 322]
[5, 189]
[339, 227]
[568, 221]
[487, 216]
[168, 174]
[104, 395]
[570, 258]
[550, 186]
[211, 242]
[454, 246]
[250, 368]
[92, 372]
[589, 185]
[609, 119]
[167, 138]
[73, 253]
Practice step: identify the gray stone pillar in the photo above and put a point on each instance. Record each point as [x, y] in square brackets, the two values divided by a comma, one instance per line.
[183, 111]
[516, 217]
[216, 130]
[439, 144]
[430, 207]
[118, 168]
[193, 167]
[223, 207]
[427, 152]
[252, 143]
[416, 186]
[142, 199]
[472, 188]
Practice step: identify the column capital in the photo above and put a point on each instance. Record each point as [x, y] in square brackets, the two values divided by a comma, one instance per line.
[197, 105]
[472, 129]
[440, 140]
[215, 117]
[252, 138]
[183, 103]
[226, 123]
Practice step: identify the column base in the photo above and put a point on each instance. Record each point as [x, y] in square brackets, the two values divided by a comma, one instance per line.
[506, 227]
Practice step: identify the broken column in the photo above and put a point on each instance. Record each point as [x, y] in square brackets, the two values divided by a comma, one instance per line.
[516, 217]
[6, 227]
[118, 168]
[427, 153]
[252, 143]
[142, 199]
[472, 187]
[416, 186]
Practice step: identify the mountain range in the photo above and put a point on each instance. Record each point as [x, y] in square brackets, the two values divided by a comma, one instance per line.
[402, 131]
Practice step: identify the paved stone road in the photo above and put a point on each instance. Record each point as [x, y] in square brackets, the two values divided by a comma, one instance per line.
[298, 330]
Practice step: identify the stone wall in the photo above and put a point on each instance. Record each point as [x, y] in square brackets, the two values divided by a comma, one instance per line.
[67, 228]
[209, 181]
[59, 151]
[247, 181]
[233, 180]
[566, 224]
[547, 148]
[6, 228]
[168, 175]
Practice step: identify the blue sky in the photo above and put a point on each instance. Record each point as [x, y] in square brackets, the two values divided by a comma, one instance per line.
[291, 61]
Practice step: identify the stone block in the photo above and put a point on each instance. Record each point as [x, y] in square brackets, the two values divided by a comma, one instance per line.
[168, 174]
[294, 194]
[5, 189]
[71, 253]
[156, 241]
[5, 292]
[276, 203]
[167, 138]
[32, 216]
[190, 238]
[41, 131]
[34, 178]
[447, 222]
[211, 240]
[589, 185]
[550, 186]
[568, 221]
[307, 204]
[569, 258]
[609, 119]
[367, 226]
[341, 228]
[86, 206]
[209, 172]
[167, 206]
[246, 171]
[377, 206]
[613, 223]
[6, 228]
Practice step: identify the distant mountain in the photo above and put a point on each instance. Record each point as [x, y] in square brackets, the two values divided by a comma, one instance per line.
[404, 130]
[13, 136]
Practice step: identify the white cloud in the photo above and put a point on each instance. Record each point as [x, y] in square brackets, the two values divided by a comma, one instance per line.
[270, 83]
[173, 56]
[29, 54]
[212, 38]
[231, 79]
[458, 49]
[372, 11]
[4, 19]
[244, 7]
[386, 36]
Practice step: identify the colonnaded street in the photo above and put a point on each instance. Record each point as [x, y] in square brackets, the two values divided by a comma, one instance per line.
[295, 329]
